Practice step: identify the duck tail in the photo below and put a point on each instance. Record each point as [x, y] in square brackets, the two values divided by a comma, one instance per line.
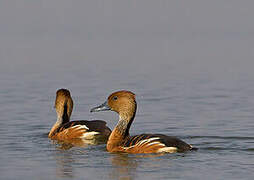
[193, 148]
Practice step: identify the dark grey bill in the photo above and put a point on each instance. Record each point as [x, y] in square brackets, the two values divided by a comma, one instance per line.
[103, 107]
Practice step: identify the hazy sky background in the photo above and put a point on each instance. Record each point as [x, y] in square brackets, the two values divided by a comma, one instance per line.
[189, 37]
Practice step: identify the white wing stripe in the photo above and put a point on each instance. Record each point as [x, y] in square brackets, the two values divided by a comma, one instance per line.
[146, 141]
[157, 143]
[89, 135]
[80, 127]
[167, 149]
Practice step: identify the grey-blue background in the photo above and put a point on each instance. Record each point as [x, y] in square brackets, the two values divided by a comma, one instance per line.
[190, 64]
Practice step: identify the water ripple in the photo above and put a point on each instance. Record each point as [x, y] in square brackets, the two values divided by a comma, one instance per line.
[222, 137]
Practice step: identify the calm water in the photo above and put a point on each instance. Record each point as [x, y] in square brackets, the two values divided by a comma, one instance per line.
[191, 69]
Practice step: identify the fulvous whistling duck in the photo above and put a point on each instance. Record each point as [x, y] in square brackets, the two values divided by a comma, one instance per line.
[124, 103]
[64, 130]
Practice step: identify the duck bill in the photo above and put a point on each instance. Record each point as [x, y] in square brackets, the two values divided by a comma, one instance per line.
[103, 107]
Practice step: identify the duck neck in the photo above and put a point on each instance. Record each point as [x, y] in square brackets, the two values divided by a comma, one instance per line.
[121, 131]
[124, 123]
[65, 117]
[61, 119]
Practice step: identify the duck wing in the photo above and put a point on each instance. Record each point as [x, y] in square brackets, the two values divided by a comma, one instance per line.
[82, 129]
[154, 143]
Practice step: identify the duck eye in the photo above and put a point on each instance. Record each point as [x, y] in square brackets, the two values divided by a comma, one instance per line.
[115, 98]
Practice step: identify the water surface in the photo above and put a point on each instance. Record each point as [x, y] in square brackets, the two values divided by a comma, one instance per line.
[190, 65]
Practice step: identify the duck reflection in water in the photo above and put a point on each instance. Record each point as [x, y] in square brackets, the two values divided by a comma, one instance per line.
[68, 144]
[64, 161]
[125, 165]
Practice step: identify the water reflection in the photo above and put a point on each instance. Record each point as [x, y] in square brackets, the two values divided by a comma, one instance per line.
[64, 161]
[124, 166]
[68, 144]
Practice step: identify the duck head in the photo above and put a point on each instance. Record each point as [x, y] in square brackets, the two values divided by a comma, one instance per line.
[122, 102]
